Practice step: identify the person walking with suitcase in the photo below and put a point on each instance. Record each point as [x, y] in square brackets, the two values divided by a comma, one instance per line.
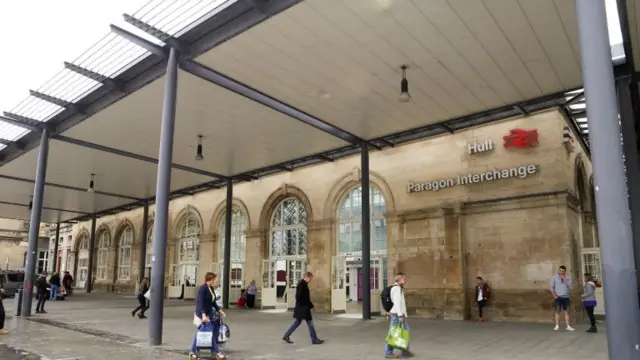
[302, 311]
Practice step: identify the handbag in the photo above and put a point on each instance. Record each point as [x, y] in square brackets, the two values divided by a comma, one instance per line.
[224, 333]
[197, 321]
[147, 295]
[204, 336]
[398, 337]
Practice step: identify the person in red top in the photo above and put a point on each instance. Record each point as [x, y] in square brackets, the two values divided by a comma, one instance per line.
[241, 302]
[482, 296]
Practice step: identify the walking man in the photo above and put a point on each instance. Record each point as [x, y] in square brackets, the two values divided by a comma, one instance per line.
[41, 286]
[398, 313]
[302, 311]
[560, 289]
[142, 300]
[482, 296]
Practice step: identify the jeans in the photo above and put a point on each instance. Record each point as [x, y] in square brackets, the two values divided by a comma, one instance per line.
[2, 315]
[42, 298]
[388, 350]
[480, 307]
[54, 292]
[296, 323]
[214, 340]
[592, 317]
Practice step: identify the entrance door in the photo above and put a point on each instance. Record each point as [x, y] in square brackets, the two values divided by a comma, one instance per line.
[188, 280]
[295, 271]
[83, 272]
[268, 294]
[375, 284]
[339, 285]
[175, 289]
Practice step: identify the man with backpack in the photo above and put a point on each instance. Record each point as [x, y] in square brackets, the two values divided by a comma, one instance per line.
[394, 304]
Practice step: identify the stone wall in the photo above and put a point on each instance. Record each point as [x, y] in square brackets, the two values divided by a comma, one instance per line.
[515, 232]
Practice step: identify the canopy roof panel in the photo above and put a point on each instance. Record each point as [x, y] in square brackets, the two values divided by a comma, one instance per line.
[239, 134]
[342, 62]
[73, 165]
[22, 212]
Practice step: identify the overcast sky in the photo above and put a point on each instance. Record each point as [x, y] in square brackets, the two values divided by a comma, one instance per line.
[39, 35]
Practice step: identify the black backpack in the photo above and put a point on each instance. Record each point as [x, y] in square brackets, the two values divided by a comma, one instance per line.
[385, 298]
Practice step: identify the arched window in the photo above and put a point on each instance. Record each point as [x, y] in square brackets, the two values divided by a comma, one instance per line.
[189, 250]
[238, 236]
[104, 241]
[84, 243]
[350, 221]
[238, 245]
[289, 229]
[149, 256]
[125, 244]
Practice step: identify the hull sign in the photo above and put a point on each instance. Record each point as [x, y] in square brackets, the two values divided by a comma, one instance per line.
[519, 172]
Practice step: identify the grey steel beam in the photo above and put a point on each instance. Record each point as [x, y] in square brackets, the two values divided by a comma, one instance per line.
[106, 81]
[226, 262]
[34, 224]
[143, 43]
[366, 232]
[92, 249]
[575, 99]
[613, 216]
[51, 99]
[143, 242]
[149, 29]
[163, 195]
[131, 155]
[55, 249]
[68, 187]
[241, 89]
[448, 128]
[21, 124]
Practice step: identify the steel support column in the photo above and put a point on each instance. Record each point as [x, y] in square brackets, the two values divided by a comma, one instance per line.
[366, 232]
[613, 216]
[92, 250]
[34, 224]
[143, 241]
[226, 267]
[630, 151]
[54, 268]
[163, 189]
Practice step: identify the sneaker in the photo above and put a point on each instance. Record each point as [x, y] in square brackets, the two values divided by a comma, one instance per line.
[481, 320]
[220, 356]
[4, 331]
[392, 356]
[556, 328]
[317, 342]
[193, 356]
[592, 330]
[569, 328]
[287, 340]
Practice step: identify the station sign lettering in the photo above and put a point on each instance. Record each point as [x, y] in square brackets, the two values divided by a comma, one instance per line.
[518, 172]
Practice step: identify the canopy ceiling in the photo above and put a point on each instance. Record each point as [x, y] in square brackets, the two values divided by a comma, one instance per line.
[469, 62]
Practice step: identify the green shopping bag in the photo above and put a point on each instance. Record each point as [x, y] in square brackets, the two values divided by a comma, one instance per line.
[398, 337]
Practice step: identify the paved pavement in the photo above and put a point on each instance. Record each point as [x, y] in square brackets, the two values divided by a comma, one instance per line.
[100, 326]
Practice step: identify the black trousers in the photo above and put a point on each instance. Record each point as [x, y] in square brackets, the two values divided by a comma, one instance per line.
[143, 305]
[592, 317]
[480, 307]
[251, 301]
[42, 298]
[2, 315]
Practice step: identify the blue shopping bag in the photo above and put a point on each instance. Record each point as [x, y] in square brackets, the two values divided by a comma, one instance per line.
[204, 336]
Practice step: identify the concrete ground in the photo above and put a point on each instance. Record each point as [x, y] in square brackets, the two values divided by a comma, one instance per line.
[100, 326]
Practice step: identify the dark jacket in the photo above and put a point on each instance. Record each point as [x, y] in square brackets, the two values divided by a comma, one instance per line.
[485, 292]
[41, 285]
[67, 280]
[55, 280]
[205, 302]
[302, 311]
[143, 289]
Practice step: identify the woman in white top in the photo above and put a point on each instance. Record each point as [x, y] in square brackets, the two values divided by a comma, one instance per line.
[398, 313]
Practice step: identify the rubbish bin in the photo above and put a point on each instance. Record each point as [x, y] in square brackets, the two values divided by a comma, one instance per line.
[17, 302]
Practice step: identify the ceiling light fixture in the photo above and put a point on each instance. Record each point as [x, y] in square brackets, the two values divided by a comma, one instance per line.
[404, 86]
[199, 156]
[91, 183]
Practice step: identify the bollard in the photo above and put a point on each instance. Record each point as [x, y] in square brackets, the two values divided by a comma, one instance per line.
[17, 302]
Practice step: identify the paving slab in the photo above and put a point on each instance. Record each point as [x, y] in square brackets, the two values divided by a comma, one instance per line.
[100, 326]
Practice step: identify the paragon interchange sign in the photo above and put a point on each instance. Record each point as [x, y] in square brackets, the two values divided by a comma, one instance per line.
[519, 172]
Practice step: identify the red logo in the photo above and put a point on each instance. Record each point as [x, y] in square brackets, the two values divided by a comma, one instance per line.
[522, 139]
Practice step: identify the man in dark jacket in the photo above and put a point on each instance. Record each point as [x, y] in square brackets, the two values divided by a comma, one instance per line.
[67, 280]
[482, 296]
[144, 287]
[41, 286]
[302, 311]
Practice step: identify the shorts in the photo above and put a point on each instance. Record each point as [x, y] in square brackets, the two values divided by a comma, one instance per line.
[562, 304]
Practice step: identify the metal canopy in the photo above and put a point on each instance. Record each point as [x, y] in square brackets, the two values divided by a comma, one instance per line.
[274, 86]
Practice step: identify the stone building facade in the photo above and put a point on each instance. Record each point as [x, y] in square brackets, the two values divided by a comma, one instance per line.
[443, 211]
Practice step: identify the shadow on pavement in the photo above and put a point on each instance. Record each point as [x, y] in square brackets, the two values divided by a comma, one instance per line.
[9, 353]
